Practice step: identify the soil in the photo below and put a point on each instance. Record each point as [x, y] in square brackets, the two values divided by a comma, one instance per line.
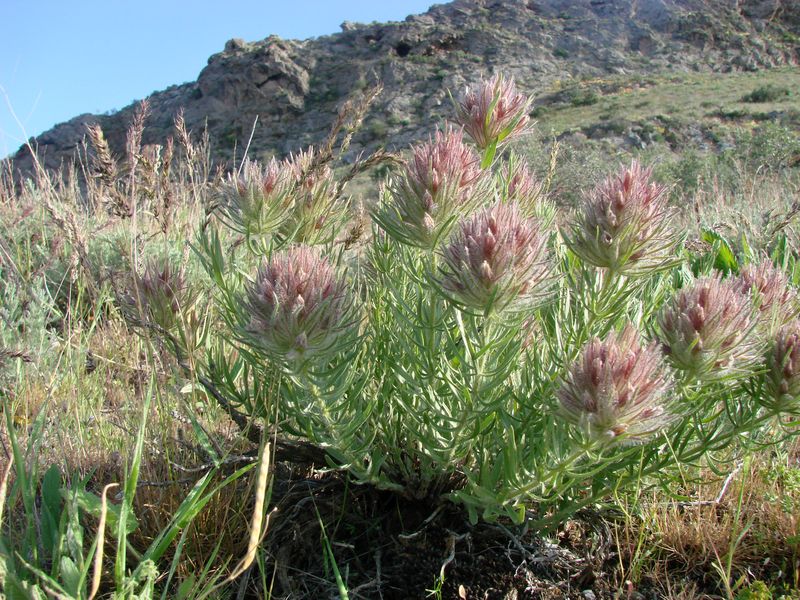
[390, 548]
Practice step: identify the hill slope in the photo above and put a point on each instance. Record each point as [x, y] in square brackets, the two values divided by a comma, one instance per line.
[294, 87]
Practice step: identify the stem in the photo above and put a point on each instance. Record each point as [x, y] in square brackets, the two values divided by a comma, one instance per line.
[688, 455]
[591, 304]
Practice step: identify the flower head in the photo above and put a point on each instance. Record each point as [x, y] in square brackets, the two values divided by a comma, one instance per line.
[520, 185]
[783, 370]
[496, 259]
[493, 112]
[617, 387]
[706, 330]
[442, 180]
[318, 211]
[298, 306]
[162, 293]
[624, 224]
[257, 200]
[772, 296]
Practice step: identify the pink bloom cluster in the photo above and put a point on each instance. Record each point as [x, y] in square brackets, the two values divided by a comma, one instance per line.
[493, 112]
[521, 185]
[773, 297]
[256, 201]
[496, 259]
[617, 388]
[299, 307]
[624, 224]
[161, 294]
[314, 205]
[783, 370]
[442, 180]
[706, 329]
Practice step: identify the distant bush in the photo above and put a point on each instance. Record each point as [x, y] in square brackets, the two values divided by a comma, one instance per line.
[766, 93]
[770, 147]
[585, 97]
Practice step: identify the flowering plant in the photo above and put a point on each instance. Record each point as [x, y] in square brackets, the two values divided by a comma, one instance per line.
[497, 259]
[493, 113]
[442, 180]
[471, 350]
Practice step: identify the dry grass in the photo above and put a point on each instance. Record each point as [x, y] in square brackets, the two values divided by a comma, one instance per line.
[742, 528]
[75, 364]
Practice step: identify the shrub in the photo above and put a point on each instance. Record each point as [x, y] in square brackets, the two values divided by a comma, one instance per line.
[770, 147]
[584, 97]
[470, 351]
[766, 93]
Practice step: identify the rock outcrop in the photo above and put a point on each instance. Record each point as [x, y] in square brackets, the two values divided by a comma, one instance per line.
[294, 87]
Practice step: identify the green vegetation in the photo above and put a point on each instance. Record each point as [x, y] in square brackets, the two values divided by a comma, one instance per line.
[767, 93]
[253, 383]
[691, 98]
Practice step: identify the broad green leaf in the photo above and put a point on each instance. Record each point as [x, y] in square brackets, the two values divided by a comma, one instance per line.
[91, 504]
[51, 510]
[71, 579]
[724, 258]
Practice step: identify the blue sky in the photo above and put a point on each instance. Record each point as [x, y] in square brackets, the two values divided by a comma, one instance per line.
[61, 58]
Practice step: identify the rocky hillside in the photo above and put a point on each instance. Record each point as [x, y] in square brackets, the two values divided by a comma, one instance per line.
[295, 86]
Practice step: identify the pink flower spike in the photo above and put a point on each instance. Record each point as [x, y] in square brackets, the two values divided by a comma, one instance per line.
[497, 259]
[773, 297]
[493, 112]
[258, 199]
[442, 180]
[706, 330]
[783, 371]
[298, 306]
[617, 388]
[624, 224]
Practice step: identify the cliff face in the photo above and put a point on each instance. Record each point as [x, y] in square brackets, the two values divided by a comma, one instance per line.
[294, 87]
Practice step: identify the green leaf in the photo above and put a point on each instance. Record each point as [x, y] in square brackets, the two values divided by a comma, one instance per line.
[70, 576]
[51, 510]
[90, 503]
[74, 534]
[724, 258]
[488, 155]
[186, 588]
[203, 439]
[12, 585]
[187, 511]
[747, 251]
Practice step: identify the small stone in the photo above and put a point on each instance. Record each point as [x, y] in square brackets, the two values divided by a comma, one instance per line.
[588, 595]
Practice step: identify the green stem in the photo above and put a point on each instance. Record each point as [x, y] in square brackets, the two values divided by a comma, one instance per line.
[583, 333]
[688, 455]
